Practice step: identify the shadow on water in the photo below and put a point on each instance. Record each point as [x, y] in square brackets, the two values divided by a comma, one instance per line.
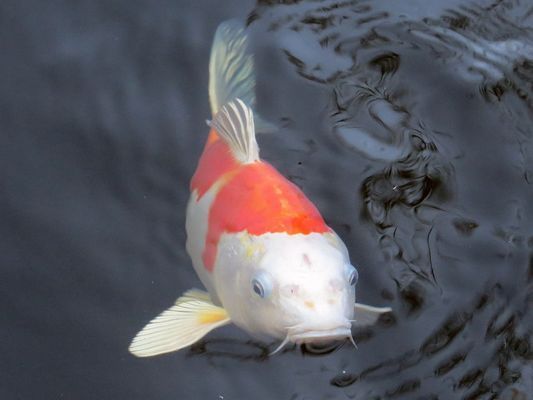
[249, 350]
[255, 350]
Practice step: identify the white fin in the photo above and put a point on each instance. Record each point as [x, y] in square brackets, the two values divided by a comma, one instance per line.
[235, 125]
[367, 315]
[187, 321]
[231, 67]
[232, 72]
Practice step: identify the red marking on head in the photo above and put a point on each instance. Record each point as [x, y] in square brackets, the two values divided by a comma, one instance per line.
[216, 160]
[258, 199]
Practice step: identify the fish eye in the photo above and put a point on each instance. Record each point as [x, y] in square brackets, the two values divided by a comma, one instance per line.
[258, 288]
[353, 277]
[261, 285]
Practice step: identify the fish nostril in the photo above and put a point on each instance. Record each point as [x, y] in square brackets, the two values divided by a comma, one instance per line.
[290, 290]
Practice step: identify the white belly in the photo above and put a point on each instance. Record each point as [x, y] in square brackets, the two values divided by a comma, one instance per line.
[196, 225]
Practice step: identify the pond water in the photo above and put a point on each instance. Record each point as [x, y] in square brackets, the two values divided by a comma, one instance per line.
[409, 125]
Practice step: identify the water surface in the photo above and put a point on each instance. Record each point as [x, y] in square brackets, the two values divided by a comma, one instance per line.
[410, 127]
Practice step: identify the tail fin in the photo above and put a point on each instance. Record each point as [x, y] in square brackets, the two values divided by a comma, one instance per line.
[231, 67]
[232, 71]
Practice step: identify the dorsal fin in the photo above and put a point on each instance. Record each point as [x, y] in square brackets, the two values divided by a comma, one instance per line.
[235, 125]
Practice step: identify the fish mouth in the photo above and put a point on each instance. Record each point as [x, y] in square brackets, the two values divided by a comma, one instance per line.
[302, 334]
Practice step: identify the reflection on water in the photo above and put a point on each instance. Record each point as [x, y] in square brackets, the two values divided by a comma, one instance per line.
[501, 355]
[476, 341]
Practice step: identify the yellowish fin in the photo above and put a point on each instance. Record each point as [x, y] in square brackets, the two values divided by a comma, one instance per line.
[367, 315]
[187, 321]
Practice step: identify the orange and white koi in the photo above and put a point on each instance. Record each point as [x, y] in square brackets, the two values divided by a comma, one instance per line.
[268, 260]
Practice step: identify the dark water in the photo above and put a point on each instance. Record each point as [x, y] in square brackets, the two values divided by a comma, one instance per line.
[410, 127]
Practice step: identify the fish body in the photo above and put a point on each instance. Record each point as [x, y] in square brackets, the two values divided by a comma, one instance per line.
[251, 223]
[268, 260]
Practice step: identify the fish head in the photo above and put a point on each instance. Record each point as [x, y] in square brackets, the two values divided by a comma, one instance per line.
[301, 288]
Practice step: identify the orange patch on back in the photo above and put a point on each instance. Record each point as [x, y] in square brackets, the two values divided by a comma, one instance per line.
[216, 160]
[258, 199]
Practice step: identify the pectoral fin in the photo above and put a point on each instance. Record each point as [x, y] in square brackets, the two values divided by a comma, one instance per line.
[187, 321]
[367, 315]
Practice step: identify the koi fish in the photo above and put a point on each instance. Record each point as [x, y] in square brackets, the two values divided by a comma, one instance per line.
[269, 262]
